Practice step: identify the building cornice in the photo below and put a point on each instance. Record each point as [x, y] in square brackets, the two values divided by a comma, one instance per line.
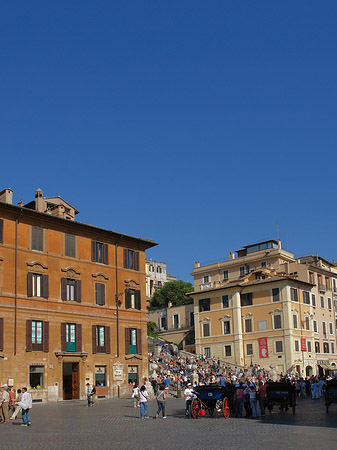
[73, 226]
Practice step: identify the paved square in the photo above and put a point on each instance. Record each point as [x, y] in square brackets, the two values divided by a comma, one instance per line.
[115, 424]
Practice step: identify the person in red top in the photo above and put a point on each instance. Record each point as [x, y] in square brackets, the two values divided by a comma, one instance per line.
[11, 399]
[262, 401]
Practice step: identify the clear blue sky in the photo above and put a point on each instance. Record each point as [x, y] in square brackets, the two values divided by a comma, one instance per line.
[200, 125]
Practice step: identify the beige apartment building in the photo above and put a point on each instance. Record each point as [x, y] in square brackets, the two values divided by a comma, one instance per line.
[257, 308]
[175, 324]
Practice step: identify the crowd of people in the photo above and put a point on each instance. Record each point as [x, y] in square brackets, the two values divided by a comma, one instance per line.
[246, 387]
[21, 401]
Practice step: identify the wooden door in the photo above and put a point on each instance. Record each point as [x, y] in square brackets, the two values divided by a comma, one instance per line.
[75, 381]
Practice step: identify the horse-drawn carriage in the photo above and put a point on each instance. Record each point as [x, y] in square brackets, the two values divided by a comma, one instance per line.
[211, 398]
[281, 393]
[330, 393]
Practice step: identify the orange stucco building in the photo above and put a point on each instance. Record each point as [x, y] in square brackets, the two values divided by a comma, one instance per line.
[72, 302]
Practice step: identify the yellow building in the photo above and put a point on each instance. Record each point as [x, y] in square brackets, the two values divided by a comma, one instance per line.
[251, 310]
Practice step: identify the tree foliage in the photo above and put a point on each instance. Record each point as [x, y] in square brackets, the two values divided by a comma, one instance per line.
[152, 329]
[174, 292]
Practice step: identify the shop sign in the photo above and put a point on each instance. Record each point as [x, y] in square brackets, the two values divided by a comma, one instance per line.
[117, 371]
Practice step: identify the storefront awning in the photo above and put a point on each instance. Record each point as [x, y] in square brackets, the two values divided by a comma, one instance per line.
[328, 367]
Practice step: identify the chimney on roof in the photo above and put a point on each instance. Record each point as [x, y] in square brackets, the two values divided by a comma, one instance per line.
[231, 255]
[6, 196]
[279, 244]
[196, 264]
[39, 202]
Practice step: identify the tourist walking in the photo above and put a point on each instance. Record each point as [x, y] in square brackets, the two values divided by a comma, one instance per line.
[4, 399]
[143, 395]
[91, 391]
[161, 401]
[17, 408]
[135, 395]
[26, 404]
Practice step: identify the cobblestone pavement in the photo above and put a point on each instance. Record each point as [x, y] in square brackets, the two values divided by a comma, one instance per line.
[115, 424]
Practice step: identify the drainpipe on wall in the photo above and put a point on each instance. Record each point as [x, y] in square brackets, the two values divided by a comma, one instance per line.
[116, 297]
[16, 280]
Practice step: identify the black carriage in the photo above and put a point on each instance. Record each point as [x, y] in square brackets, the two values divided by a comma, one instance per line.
[211, 398]
[282, 394]
[330, 393]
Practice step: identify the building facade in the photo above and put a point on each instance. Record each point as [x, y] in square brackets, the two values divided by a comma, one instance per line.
[72, 302]
[175, 324]
[156, 277]
[257, 308]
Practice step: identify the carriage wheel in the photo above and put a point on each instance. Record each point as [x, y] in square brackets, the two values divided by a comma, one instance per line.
[225, 408]
[195, 408]
[211, 412]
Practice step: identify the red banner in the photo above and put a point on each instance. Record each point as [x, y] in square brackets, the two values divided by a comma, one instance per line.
[263, 346]
[303, 345]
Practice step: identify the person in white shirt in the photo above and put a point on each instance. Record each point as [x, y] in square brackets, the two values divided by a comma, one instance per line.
[189, 395]
[27, 399]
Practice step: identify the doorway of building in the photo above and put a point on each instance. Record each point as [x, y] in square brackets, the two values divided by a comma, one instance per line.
[71, 383]
[308, 371]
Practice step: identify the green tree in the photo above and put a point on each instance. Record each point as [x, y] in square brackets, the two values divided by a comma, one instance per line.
[174, 292]
[152, 329]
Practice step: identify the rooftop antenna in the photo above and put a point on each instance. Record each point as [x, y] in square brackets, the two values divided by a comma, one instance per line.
[278, 235]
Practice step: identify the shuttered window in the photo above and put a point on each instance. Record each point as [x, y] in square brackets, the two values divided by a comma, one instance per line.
[277, 322]
[206, 329]
[131, 259]
[100, 339]
[132, 299]
[100, 294]
[99, 252]
[71, 290]
[276, 294]
[37, 285]
[37, 238]
[1, 231]
[70, 249]
[133, 341]
[37, 336]
[248, 325]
